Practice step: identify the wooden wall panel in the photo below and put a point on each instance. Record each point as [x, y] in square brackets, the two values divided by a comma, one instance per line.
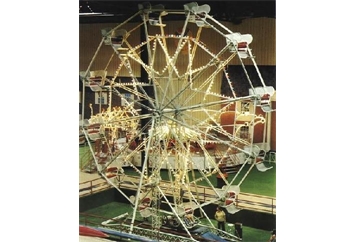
[89, 40]
[263, 47]
[263, 31]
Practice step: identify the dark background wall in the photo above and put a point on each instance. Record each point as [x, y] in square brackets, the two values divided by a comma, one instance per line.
[241, 83]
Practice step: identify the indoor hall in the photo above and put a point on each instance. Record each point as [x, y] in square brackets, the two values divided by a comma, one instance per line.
[177, 116]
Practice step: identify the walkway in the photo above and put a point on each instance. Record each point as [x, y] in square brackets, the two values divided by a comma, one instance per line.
[92, 183]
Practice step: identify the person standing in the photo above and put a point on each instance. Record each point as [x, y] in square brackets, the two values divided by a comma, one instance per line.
[220, 217]
[273, 236]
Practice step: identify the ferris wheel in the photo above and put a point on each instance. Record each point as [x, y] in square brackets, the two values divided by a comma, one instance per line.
[170, 116]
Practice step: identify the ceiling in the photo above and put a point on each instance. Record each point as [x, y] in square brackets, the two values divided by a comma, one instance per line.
[118, 11]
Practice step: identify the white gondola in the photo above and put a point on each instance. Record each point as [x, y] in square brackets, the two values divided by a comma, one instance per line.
[198, 13]
[264, 95]
[230, 199]
[239, 43]
[262, 167]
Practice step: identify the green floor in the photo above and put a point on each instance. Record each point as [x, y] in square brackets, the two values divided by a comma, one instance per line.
[261, 183]
[114, 209]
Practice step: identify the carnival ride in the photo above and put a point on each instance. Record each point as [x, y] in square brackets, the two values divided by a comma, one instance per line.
[170, 120]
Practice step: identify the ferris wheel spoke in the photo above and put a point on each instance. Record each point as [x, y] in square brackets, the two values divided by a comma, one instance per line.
[171, 120]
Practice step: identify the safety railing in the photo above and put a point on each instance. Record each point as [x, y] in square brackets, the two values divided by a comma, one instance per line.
[93, 186]
[247, 201]
[255, 202]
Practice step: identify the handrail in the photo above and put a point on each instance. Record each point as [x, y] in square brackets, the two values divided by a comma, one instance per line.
[94, 186]
[255, 202]
[246, 201]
